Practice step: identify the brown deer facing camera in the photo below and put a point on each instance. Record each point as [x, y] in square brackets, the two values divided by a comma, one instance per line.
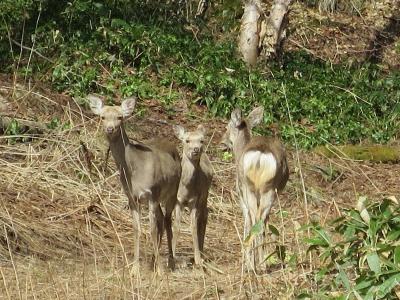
[261, 172]
[193, 189]
[149, 173]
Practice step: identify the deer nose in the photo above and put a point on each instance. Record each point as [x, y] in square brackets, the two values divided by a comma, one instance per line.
[110, 129]
[196, 149]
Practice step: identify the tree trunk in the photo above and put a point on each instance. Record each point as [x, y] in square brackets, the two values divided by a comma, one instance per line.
[249, 39]
[275, 31]
[261, 34]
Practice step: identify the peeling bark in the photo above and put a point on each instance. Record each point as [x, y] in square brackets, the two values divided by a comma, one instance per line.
[250, 28]
[275, 31]
[262, 34]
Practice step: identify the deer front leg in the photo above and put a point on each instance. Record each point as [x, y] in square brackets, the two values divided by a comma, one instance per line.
[156, 218]
[194, 214]
[177, 225]
[135, 209]
[202, 226]
[168, 226]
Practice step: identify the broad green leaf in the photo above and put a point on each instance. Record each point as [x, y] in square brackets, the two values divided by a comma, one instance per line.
[255, 230]
[386, 287]
[364, 284]
[396, 255]
[393, 235]
[316, 242]
[324, 235]
[273, 229]
[343, 277]
[374, 262]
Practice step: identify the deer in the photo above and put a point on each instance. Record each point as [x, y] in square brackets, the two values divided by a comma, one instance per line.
[197, 174]
[149, 173]
[261, 172]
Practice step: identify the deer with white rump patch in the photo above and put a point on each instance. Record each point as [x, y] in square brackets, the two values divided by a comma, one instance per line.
[193, 189]
[262, 171]
[149, 173]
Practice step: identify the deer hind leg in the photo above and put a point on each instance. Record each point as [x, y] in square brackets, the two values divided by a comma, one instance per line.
[156, 218]
[249, 206]
[266, 201]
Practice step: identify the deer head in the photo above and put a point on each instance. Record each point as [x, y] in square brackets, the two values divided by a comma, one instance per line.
[112, 116]
[239, 128]
[193, 141]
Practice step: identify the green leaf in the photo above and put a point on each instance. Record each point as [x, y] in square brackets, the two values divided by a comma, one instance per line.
[364, 284]
[273, 229]
[316, 242]
[255, 230]
[396, 256]
[393, 235]
[374, 262]
[343, 277]
[387, 286]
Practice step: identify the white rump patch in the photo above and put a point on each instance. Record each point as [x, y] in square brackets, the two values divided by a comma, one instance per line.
[259, 167]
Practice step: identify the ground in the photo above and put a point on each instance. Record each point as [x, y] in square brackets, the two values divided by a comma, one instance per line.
[65, 223]
[67, 231]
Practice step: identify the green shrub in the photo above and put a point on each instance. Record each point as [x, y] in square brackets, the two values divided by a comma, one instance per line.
[360, 258]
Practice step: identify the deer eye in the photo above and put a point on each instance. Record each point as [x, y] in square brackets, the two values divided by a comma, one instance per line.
[103, 117]
[187, 141]
[201, 141]
[120, 118]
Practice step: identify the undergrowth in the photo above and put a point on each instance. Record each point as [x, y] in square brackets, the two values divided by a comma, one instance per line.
[116, 51]
[359, 256]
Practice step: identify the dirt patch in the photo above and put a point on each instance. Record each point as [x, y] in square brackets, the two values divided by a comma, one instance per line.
[369, 35]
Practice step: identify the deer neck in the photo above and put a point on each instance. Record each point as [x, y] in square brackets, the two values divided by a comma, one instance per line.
[189, 168]
[117, 146]
[240, 143]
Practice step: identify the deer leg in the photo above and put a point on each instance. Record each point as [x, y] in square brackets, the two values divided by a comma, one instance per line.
[194, 214]
[160, 224]
[266, 201]
[168, 226]
[135, 209]
[252, 215]
[202, 226]
[156, 218]
[246, 232]
[177, 226]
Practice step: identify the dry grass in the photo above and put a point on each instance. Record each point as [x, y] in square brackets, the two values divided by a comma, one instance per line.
[66, 232]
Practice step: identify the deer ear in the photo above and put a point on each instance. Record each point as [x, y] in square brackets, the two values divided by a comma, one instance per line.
[236, 117]
[179, 131]
[255, 117]
[96, 105]
[201, 129]
[127, 106]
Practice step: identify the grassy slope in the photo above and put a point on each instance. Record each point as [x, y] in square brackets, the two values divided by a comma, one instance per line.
[64, 224]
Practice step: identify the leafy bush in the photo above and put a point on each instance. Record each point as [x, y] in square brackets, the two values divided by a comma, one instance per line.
[360, 258]
[113, 48]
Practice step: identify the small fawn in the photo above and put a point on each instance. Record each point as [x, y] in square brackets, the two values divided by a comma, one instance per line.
[261, 172]
[149, 173]
[193, 189]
